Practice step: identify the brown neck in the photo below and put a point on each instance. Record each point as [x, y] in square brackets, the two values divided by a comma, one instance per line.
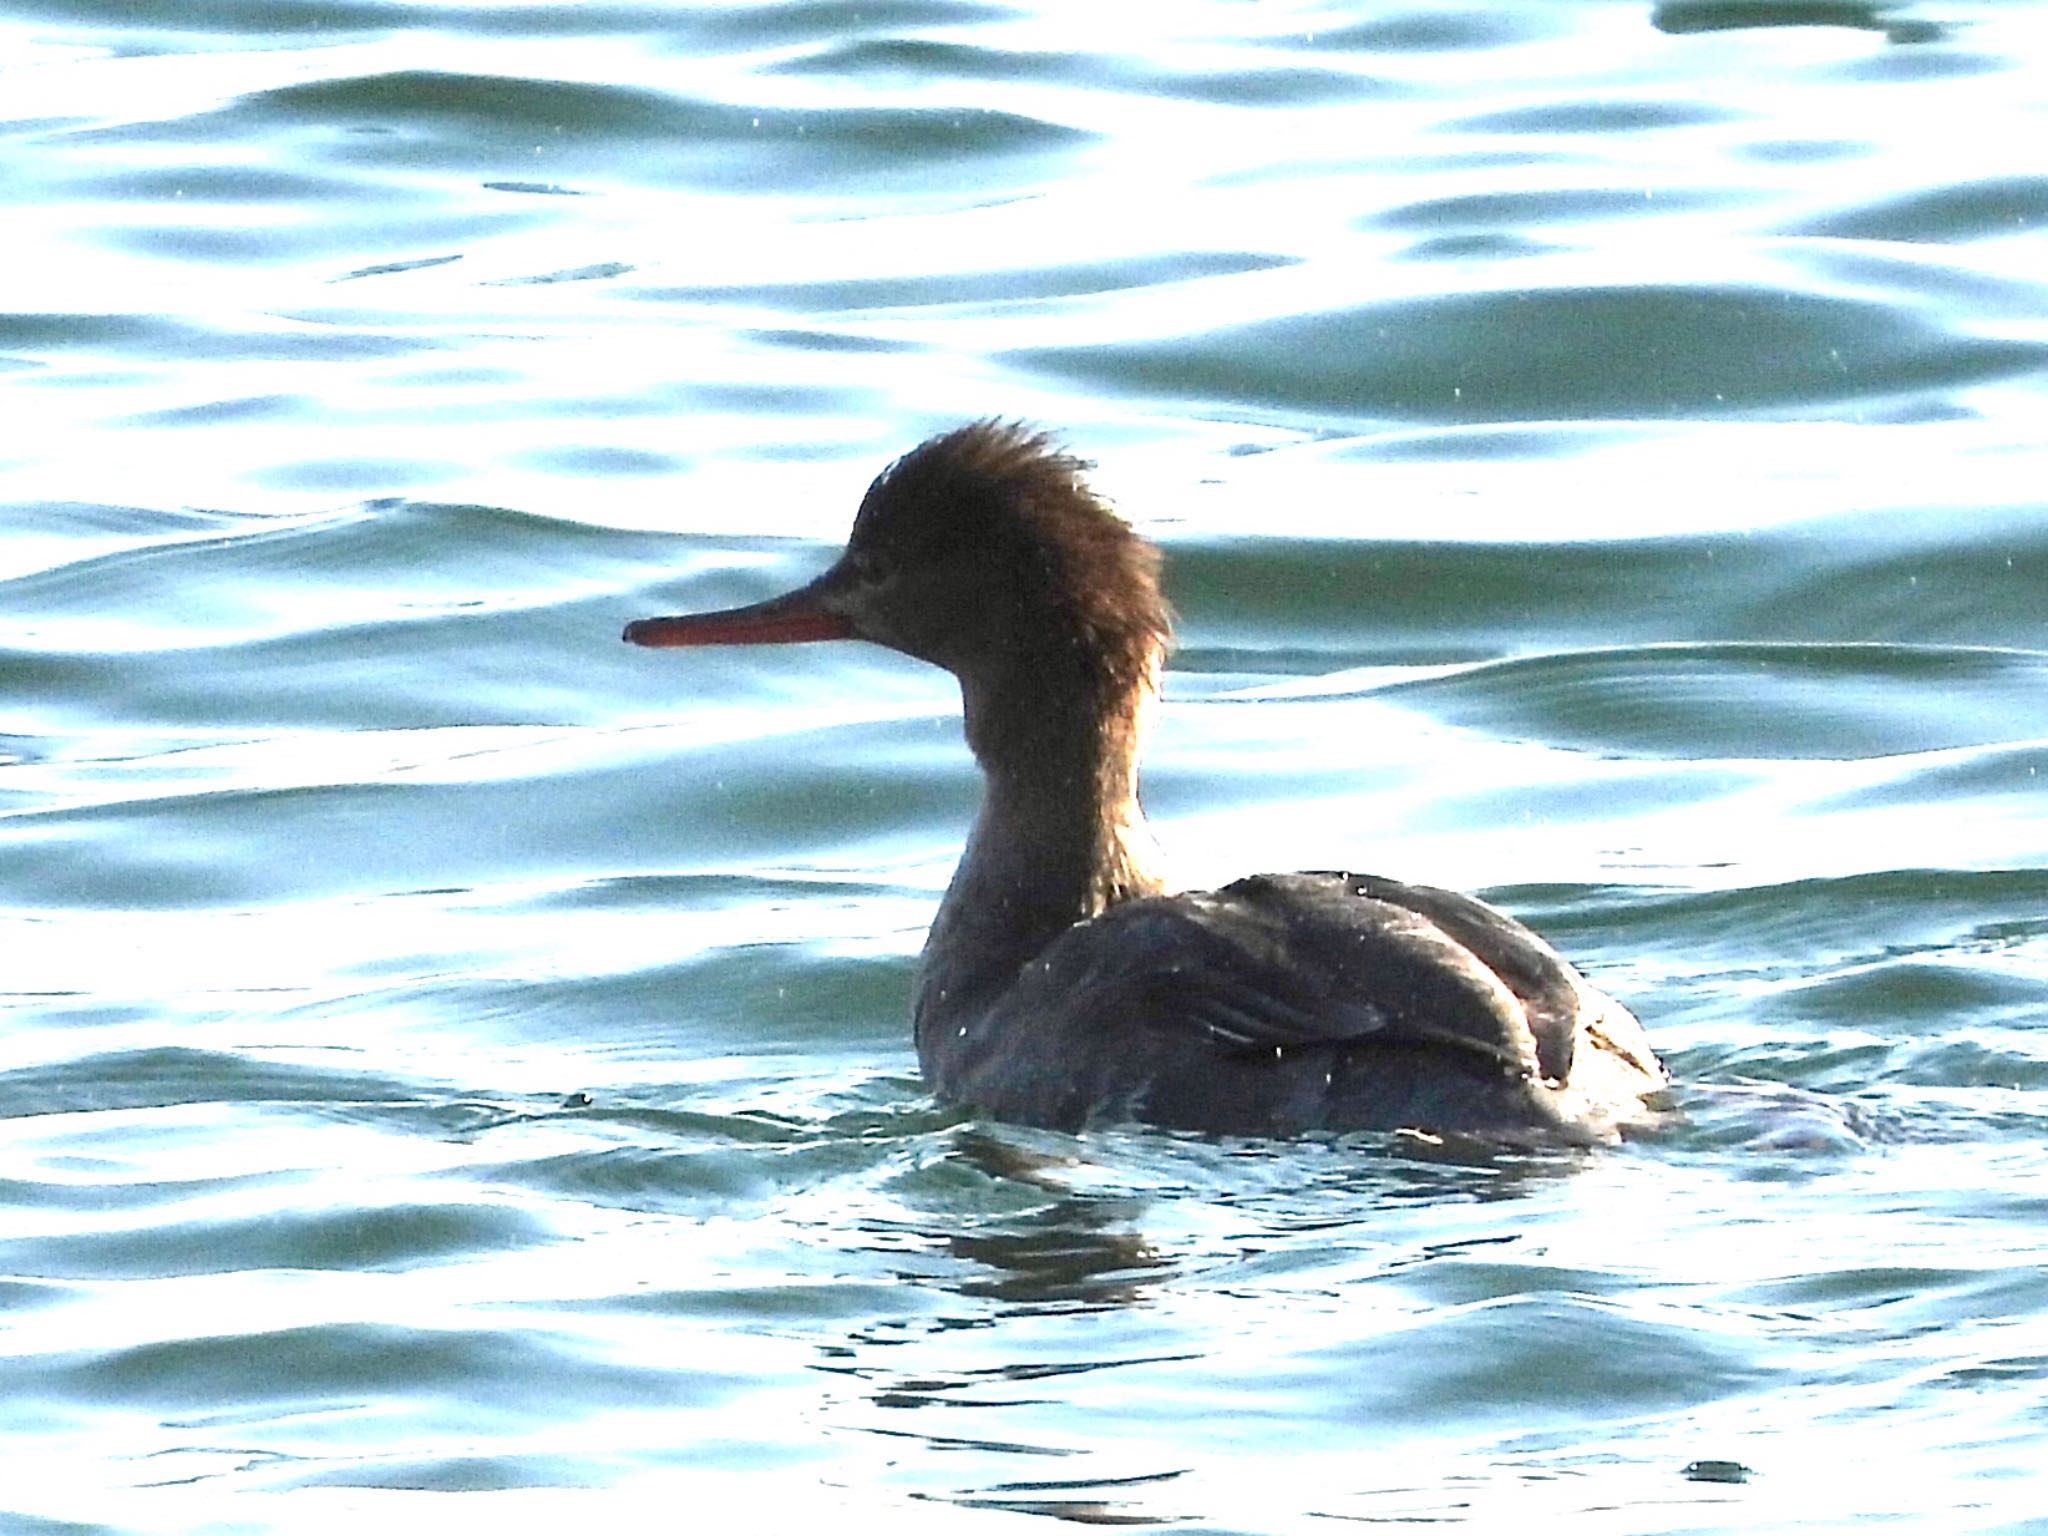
[1060, 836]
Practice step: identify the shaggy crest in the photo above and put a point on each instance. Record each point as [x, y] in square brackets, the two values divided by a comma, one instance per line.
[1005, 495]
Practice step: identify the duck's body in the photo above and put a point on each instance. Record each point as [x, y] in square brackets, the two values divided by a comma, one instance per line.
[1061, 984]
[1289, 1003]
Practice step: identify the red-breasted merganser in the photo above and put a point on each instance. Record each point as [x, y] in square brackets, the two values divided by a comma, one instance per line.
[1062, 985]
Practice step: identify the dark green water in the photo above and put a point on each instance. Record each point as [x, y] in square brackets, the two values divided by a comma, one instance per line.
[454, 1067]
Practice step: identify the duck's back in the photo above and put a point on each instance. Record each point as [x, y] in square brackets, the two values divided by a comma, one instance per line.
[1289, 1003]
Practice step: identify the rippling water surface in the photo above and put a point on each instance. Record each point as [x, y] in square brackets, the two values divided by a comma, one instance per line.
[455, 1066]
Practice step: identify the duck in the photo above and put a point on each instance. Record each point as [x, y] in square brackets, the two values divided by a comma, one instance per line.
[1064, 983]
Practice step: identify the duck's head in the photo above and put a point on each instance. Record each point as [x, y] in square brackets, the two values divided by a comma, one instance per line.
[983, 551]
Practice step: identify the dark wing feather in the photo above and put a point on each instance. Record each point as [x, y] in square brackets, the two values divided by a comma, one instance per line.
[1538, 975]
[1288, 961]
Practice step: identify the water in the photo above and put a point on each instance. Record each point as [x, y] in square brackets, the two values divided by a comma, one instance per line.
[455, 1066]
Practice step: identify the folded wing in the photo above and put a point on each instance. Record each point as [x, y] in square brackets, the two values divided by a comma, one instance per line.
[1281, 962]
